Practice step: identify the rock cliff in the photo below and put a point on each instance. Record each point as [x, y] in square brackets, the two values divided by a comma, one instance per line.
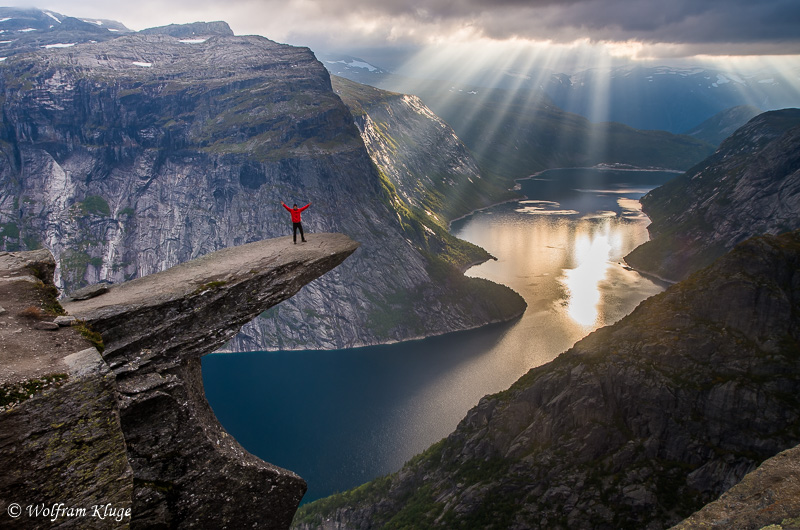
[749, 187]
[637, 426]
[60, 434]
[428, 164]
[131, 427]
[128, 156]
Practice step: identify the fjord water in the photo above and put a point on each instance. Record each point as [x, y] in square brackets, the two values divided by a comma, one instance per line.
[340, 418]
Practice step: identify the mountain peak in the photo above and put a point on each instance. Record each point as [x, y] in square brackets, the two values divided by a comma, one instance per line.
[193, 29]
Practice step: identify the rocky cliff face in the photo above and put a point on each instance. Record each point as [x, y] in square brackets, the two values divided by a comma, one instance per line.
[750, 186]
[128, 156]
[132, 427]
[430, 167]
[637, 426]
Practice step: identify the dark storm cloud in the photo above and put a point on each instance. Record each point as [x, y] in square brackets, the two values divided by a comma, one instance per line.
[695, 22]
[681, 26]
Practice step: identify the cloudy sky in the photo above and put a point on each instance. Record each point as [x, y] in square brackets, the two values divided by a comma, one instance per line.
[641, 29]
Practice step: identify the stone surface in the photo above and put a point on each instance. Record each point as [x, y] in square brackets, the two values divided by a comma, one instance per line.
[770, 495]
[28, 353]
[63, 320]
[187, 470]
[46, 326]
[65, 445]
[90, 291]
[637, 426]
[60, 435]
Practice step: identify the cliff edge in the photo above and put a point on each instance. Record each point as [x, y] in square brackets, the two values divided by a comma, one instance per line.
[155, 446]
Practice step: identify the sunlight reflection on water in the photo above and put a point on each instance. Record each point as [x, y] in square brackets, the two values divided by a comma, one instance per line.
[344, 417]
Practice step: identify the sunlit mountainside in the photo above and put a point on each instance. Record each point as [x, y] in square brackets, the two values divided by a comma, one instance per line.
[514, 133]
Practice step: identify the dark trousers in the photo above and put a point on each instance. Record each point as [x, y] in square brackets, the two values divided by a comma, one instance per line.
[294, 230]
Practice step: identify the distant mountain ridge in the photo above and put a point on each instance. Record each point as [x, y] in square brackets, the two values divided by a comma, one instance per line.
[750, 186]
[671, 99]
[515, 133]
[24, 30]
[720, 126]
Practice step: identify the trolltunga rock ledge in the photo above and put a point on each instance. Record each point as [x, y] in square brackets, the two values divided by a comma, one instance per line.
[186, 470]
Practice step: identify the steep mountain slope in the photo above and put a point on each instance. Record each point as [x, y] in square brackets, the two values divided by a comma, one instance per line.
[721, 125]
[636, 426]
[750, 186]
[422, 156]
[128, 156]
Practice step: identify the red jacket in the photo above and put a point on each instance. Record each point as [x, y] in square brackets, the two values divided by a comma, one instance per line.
[296, 212]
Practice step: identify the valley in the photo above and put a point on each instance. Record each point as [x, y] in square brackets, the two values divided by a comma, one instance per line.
[546, 284]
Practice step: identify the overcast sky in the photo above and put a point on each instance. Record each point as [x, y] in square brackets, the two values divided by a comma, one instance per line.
[640, 28]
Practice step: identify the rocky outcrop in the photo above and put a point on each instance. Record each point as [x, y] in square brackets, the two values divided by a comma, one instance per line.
[749, 187]
[133, 427]
[637, 426]
[61, 442]
[130, 156]
[768, 497]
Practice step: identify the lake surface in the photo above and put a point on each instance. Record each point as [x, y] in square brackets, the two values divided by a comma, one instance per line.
[340, 418]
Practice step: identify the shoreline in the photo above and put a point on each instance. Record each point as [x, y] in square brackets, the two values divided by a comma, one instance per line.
[464, 268]
[600, 167]
[655, 278]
